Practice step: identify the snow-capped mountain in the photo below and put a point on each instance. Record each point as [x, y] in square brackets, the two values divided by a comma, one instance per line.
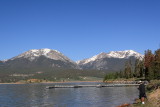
[113, 54]
[113, 59]
[40, 58]
[48, 53]
[125, 54]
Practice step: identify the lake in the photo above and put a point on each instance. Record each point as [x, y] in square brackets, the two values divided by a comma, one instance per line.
[36, 95]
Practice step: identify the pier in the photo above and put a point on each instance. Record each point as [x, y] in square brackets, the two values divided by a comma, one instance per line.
[98, 86]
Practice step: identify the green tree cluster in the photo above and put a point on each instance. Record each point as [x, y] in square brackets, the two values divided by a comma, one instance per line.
[139, 68]
[152, 64]
[112, 76]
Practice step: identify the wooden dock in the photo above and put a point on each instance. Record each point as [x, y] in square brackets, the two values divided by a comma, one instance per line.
[98, 86]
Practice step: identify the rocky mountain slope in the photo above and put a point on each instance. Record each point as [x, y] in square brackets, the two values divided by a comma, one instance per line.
[114, 60]
[47, 59]
[39, 59]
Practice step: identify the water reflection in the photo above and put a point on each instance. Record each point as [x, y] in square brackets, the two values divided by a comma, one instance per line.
[36, 95]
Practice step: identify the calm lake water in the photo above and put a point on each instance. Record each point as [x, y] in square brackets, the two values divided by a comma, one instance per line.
[36, 95]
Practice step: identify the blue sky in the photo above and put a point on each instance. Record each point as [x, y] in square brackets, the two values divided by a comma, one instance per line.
[78, 28]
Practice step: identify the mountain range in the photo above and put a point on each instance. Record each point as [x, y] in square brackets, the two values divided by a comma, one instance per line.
[38, 59]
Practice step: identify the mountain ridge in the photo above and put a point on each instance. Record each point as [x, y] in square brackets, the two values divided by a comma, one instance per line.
[47, 49]
[113, 60]
[113, 54]
[49, 53]
[39, 58]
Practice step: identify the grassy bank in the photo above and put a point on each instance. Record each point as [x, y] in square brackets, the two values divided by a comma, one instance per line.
[153, 94]
[60, 80]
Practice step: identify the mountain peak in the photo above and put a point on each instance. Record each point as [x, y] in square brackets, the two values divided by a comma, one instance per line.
[101, 55]
[37, 52]
[49, 53]
[46, 50]
[114, 60]
[113, 54]
[123, 54]
[40, 58]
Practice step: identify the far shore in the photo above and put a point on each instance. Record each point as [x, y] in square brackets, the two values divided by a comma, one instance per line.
[70, 81]
[111, 81]
[51, 82]
[14, 83]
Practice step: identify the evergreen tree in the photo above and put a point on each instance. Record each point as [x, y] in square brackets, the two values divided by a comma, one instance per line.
[149, 64]
[138, 71]
[141, 66]
[128, 70]
[157, 64]
[121, 74]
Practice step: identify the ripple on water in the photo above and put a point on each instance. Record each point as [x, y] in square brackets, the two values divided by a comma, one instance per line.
[36, 95]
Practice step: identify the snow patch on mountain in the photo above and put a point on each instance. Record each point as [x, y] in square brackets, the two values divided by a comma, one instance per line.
[4, 60]
[35, 53]
[113, 54]
[124, 54]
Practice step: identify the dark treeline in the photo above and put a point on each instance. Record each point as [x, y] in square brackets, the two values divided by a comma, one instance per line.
[147, 68]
